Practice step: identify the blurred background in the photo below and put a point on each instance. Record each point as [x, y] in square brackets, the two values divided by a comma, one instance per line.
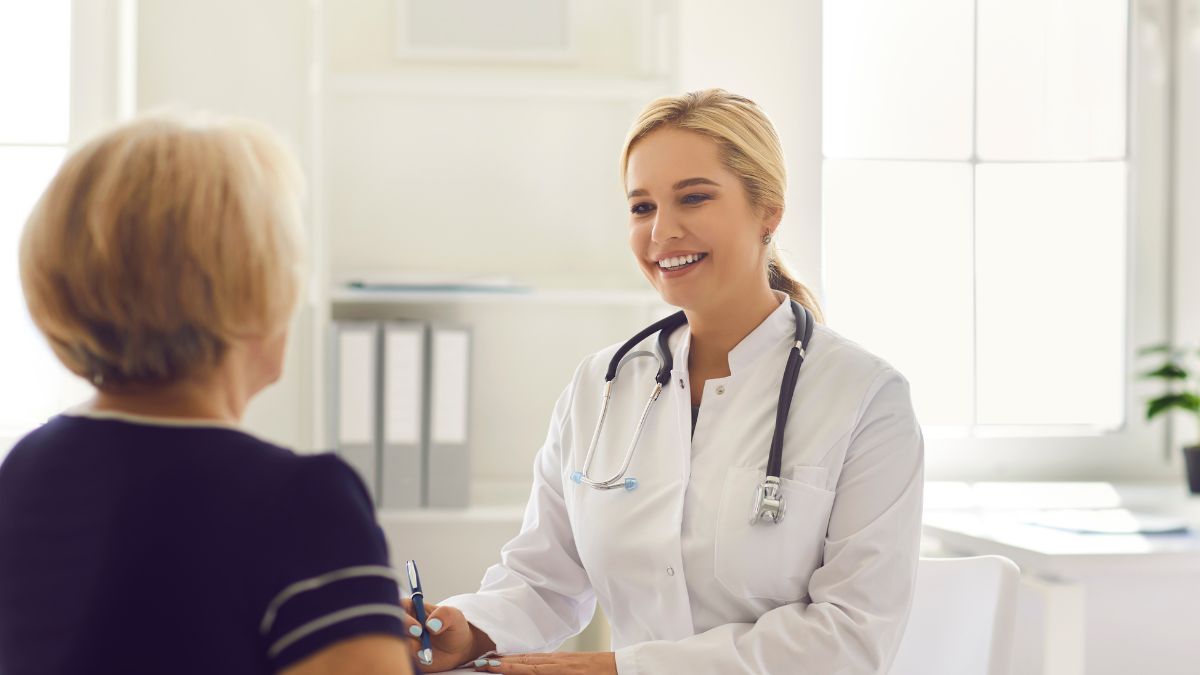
[997, 196]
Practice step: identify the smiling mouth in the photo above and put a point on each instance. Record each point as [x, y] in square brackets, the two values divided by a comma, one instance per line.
[680, 262]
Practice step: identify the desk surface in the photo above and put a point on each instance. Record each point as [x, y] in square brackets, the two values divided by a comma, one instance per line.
[988, 518]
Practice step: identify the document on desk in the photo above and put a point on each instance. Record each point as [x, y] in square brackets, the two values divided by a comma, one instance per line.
[1107, 521]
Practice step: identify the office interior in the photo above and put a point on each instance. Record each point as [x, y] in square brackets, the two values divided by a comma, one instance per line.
[996, 196]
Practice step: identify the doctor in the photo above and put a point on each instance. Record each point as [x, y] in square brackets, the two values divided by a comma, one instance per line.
[688, 582]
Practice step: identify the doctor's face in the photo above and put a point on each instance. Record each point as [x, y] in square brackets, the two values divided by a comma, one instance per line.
[691, 226]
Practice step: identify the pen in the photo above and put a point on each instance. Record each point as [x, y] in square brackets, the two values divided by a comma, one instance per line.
[425, 656]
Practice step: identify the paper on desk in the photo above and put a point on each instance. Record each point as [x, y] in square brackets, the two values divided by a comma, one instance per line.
[1106, 521]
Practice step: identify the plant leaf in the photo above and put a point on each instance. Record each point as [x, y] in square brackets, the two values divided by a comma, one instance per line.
[1183, 401]
[1164, 348]
[1169, 371]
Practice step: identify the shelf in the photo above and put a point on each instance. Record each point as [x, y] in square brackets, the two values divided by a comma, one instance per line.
[493, 85]
[474, 514]
[352, 296]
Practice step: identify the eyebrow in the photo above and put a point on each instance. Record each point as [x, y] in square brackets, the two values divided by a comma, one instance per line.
[686, 182]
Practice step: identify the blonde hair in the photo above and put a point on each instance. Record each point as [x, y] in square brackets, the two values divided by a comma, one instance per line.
[750, 149]
[158, 243]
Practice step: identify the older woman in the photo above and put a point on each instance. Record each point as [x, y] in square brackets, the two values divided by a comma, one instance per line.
[144, 532]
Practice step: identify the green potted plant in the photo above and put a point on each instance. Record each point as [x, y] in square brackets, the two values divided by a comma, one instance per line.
[1183, 393]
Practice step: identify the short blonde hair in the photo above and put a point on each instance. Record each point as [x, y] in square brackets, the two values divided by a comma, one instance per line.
[161, 241]
[750, 149]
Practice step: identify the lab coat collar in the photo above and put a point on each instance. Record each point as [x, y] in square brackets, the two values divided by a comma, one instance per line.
[779, 326]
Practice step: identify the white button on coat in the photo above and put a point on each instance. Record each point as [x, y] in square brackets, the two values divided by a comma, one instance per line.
[827, 590]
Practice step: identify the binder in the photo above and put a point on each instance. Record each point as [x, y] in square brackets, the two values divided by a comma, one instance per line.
[355, 407]
[447, 458]
[402, 460]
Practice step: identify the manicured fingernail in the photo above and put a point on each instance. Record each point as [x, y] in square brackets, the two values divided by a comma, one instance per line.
[414, 631]
[493, 663]
[479, 663]
[434, 625]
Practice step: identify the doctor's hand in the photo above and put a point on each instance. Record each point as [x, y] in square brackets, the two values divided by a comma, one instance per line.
[454, 640]
[559, 663]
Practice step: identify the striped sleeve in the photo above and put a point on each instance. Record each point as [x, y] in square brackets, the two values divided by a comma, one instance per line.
[328, 577]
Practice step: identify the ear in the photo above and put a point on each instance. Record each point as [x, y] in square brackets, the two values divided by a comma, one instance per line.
[772, 218]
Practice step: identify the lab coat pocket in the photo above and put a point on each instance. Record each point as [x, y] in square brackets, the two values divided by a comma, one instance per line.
[771, 560]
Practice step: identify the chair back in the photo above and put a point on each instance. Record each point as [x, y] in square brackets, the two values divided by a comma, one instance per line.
[962, 618]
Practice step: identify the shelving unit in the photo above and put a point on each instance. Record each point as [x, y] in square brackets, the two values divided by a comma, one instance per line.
[350, 296]
[386, 165]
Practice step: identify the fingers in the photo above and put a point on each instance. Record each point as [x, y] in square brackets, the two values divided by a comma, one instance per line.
[508, 668]
[560, 663]
[525, 664]
[413, 628]
[445, 618]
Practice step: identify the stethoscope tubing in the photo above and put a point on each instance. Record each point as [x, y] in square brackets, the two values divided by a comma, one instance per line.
[664, 327]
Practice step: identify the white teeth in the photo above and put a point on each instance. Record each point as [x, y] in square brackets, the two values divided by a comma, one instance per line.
[679, 261]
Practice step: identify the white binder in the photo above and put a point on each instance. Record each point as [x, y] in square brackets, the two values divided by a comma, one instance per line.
[448, 458]
[354, 374]
[402, 467]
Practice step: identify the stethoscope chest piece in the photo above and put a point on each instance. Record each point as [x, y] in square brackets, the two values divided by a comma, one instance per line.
[769, 503]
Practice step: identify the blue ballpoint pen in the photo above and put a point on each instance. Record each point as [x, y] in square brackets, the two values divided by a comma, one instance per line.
[425, 656]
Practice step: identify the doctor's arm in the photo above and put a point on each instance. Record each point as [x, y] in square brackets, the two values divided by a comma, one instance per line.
[860, 596]
[539, 594]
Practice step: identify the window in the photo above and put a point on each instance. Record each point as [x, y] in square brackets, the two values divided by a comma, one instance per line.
[35, 49]
[976, 206]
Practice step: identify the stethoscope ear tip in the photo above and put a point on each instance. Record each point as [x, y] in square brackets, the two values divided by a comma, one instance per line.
[631, 484]
[577, 477]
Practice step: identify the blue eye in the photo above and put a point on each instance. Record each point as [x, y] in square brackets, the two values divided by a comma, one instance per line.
[641, 208]
[695, 198]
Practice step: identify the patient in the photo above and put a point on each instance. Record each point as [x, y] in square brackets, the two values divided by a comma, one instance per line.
[144, 532]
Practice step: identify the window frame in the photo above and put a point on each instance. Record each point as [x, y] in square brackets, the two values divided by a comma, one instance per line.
[1134, 450]
[103, 71]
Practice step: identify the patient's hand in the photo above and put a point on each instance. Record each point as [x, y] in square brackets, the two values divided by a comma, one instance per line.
[560, 663]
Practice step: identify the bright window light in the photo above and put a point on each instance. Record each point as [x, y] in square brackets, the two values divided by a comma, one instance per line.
[35, 62]
[1050, 261]
[35, 49]
[975, 206]
[902, 258]
[1052, 79]
[898, 79]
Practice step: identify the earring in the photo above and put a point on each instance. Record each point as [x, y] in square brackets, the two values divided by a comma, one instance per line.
[766, 239]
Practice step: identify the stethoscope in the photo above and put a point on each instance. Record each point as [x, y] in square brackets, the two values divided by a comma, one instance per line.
[768, 500]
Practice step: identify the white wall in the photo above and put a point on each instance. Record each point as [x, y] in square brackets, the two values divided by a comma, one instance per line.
[1187, 197]
[249, 59]
[481, 169]
[770, 51]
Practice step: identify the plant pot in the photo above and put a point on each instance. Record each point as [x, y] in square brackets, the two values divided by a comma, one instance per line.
[1192, 457]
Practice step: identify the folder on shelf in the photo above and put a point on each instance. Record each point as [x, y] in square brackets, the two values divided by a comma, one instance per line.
[402, 466]
[355, 392]
[448, 458]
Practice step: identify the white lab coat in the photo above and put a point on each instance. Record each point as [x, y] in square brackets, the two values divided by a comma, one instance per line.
[688, 585]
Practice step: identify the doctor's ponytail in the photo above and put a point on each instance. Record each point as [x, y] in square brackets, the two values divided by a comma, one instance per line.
[749, 148]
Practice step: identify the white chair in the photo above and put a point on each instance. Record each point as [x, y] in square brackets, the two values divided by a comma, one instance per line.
[962, 619]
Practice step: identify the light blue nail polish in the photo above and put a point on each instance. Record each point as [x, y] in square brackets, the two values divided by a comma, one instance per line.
[481, 663]
[434, 625]
[414, 631]
[493, 662]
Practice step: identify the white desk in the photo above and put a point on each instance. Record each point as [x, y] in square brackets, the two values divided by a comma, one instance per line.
[1090, 603]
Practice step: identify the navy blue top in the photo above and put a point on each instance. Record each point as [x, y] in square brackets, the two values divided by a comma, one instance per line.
[139, 548]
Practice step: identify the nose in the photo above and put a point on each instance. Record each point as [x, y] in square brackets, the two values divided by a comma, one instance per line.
[666, 226]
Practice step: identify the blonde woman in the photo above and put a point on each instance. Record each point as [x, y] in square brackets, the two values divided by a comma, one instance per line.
[709, 550]
[144, 532]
